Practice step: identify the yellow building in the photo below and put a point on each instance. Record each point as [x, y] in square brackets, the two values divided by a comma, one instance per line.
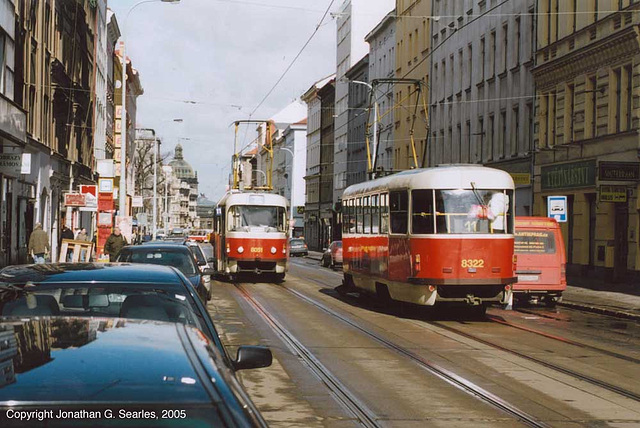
[587, 77]
[413, 42]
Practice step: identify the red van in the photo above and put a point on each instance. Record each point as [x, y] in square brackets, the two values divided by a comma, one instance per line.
[541, 260]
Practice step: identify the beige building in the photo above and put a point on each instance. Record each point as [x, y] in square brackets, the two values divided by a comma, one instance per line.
[587, 77]
[413, 43]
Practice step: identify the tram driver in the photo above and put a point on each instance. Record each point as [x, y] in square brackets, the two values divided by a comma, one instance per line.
[494, 210]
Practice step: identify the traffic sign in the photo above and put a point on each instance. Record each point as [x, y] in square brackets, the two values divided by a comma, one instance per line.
[557, 208]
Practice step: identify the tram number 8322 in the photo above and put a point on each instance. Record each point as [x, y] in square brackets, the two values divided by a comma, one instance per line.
[472, 263]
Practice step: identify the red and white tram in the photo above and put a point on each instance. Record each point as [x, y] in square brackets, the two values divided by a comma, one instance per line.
[425, 236]
[250, 234]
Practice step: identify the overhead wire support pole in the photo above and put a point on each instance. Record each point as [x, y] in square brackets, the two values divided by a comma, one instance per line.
[267, 146]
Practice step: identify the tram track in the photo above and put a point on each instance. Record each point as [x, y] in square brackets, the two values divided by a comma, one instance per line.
[582, 377]
[440, 372]
[340, 392]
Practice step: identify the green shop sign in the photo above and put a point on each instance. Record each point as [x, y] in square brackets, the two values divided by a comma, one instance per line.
[569, 175]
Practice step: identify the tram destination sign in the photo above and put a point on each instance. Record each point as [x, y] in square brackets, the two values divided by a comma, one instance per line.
[569, 175]
[619, 171]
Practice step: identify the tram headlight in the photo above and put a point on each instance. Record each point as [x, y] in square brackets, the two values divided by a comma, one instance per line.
[241, 249]
[273, 250]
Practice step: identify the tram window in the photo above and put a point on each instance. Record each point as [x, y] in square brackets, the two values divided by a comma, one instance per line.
[367, 215]
[375, 214]
[352, 216]
[359, 215]
[384, 213]
[467, 211]
[422, 211]
[399, 210]
[244, 217]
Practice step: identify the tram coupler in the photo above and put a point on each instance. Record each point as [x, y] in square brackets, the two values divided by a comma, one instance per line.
[472, 300]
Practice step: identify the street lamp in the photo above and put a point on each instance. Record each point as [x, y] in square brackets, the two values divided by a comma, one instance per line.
[123, 112]
[375, 118]
[167, 171]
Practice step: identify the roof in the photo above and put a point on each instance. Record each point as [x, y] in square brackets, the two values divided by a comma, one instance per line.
[181, 168]
[174, 246]
[85, 272]
[441, 177]
[292, 113]
[105, 360]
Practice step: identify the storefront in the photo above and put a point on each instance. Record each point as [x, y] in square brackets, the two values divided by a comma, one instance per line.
[600, 233]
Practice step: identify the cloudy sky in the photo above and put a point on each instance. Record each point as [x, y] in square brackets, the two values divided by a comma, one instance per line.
[210, 62]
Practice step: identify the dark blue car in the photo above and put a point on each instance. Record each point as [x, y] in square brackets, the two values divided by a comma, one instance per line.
[127, 338]
[178, 256]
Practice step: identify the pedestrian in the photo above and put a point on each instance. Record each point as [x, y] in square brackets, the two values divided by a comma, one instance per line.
[114, 244]
[38, 244]
[66, 233]
[82, 235]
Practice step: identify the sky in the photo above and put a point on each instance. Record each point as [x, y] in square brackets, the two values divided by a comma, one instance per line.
[210, 62]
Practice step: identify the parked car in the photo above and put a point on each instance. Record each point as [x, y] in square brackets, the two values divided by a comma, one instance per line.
[93, 372]
[154, 292]
[297, 247]
[68, 328]
[202, 263]
[332, 256]
[166, 254]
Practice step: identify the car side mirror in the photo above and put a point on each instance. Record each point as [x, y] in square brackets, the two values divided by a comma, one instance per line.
[252, 357]
[211, 260]
[209, 272]
[202, 263]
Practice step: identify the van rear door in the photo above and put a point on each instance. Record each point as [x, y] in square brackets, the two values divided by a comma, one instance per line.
[538, 265]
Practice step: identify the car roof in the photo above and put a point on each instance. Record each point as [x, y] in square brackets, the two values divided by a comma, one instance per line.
[108, 360]
[90, 272]
[156, 246]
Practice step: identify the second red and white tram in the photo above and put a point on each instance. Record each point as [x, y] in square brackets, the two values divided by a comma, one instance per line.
[251, 234]
[425, 236]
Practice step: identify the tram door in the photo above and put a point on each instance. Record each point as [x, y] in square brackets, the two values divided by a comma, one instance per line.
[399, 250]
[621, 247]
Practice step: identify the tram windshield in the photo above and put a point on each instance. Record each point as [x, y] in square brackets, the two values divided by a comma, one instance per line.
[244, 217]
[462, 211]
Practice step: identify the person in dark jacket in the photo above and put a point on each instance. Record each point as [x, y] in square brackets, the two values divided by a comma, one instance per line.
[66, 233]
[114, 244]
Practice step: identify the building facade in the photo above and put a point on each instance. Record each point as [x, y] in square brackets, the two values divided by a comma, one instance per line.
[356, 18]
[587, 76]
[328, 217]
[413, 46]
[113, 34]
[359, 115]
[312, 222]
[482, 89]
[183, 193]
[382, 65]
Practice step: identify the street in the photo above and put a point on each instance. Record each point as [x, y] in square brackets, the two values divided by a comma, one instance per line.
[349, 361]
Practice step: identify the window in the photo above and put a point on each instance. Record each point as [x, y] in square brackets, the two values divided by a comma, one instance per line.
[245, 217]
[384, 213]
[504, 137]
[459, 129]
[460, 72]
[470, 211]
[481, 134]
[516, 131]
[399, 207]
[470, 65]
[628, 75]
[551, 121]
[490, 137]
[569, 101]
[3, 38]
[367, 215]
[468, 138]
[422, 221]
[592, 107]
[617, 84]
[482, 58]
[359, 215]
[534, 241]
[505, 47]
[492, 54]
[517, 41]
[375, 214]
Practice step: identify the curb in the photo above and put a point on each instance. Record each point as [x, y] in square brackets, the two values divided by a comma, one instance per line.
[600, 310]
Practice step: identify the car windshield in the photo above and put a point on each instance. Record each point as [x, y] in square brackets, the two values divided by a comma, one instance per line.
[159, 302]
[164, 257]
[245, 216]
[534, 242]
[296, 242]
[207, 250]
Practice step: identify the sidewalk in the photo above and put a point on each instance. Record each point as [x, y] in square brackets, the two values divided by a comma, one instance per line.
[620, 300]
